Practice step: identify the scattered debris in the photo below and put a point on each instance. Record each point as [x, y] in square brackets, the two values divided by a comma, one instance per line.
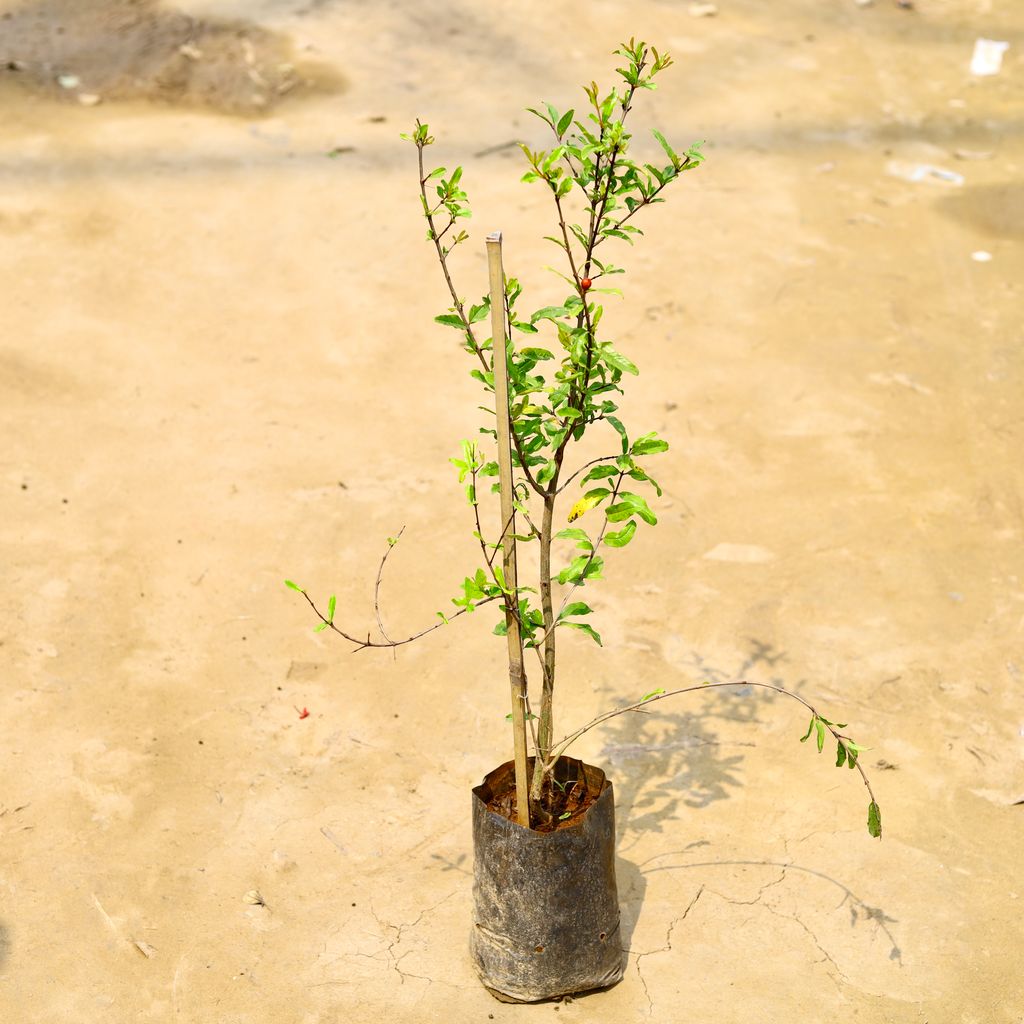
[89, 99]
[987, 58]
[304, 713]
[885, 766]
[974, 154]
[69, 81]
[902, 379]
[253, 898]
[981, 256]
[145, 949]
[190, 50]
[339, 150]
[702, 10]
[923, 172]
[331, 837]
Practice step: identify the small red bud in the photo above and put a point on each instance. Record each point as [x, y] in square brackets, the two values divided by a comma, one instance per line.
[586, 283]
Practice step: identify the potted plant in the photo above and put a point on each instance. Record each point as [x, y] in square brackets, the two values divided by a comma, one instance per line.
[545, 904]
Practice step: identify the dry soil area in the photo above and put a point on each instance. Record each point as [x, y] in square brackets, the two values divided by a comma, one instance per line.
[218, 369]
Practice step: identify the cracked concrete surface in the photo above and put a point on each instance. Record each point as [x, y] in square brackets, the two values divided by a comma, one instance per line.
[219, 369]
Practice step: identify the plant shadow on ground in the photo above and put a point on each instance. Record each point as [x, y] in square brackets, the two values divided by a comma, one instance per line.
[664, 760]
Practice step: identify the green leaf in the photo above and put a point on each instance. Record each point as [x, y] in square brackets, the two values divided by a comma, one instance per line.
[585, 627]
[874, 821]
[616, 423]
[618, 361]
[582, 568]
[648, 445]
[546, 472]
[653, 693]
[810, 729]
[853, 751]
[820, 726]
[670, 152]
[599, 473]
[320, 628]
[294, 586]
[574, 533]
[630, 504]
[622, 537]
[499, 575]
[641, 476]
[331, 605]
[550, 313]
[564, 122]
[450, 320]
[840, 754]
[576, 608]
[563, 816]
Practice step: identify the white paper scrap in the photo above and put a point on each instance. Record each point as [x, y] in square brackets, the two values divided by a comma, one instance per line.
[988, 56]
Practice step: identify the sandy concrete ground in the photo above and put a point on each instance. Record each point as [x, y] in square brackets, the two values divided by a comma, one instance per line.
[218, 369]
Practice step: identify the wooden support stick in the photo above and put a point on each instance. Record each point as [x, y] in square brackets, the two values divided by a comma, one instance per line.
[516, 673]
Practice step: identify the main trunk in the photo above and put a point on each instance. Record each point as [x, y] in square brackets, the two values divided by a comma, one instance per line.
[546, 719]
[546, 726]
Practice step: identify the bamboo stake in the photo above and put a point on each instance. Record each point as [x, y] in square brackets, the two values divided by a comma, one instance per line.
[516, 673]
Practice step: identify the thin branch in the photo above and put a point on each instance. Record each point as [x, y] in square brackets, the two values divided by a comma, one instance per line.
[362, 645]
[587, 465]
[560, 747]
[392, 542]
[646, 201]
[442, 258]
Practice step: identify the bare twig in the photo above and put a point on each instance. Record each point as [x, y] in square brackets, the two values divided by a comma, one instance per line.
[362, 645]
[392, 541]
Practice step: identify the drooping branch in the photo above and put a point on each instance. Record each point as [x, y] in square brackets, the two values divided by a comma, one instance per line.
[643, 705]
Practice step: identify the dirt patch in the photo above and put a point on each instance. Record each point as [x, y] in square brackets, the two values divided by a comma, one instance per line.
[96, 50]
[564, 800]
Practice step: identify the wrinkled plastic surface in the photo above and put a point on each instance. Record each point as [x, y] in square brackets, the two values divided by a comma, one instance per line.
[546, 909]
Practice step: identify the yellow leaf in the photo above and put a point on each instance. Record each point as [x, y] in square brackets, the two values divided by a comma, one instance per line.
[578, 509]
